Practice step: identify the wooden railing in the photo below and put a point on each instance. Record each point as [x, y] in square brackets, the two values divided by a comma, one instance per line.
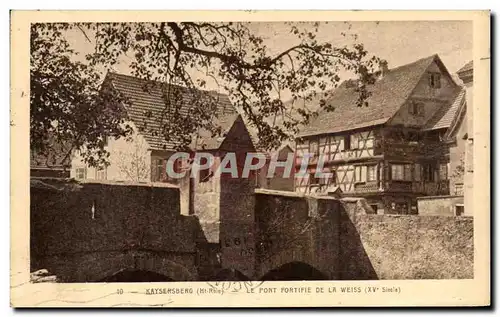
[432, 188]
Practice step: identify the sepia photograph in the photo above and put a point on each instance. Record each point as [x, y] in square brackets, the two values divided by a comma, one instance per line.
[241, 153]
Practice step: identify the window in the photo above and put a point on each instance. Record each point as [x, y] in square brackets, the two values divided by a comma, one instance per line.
[408, 172]
[360, 173]
[158, 167]
[354, 141]
[459, 210]
[347, 143]
[459, 189]
[429, 173]
[374, 207]
[397, 172]
[417, 108]
[371, 173]
[443, 171]
[101, 174]
[417, 172]
[81, 173]
[435, 80]
[401, 172]
[313, 148]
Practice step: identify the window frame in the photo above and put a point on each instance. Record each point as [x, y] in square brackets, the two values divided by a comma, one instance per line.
[316, 150]
[363, 171]
[429, 169]
[77, 172]
[347, 143]
[417, 172]
[103, 171]
[435, 80]
[458, 189]
[368, 168]
[406, 172]
[443, 167]
[417, 109]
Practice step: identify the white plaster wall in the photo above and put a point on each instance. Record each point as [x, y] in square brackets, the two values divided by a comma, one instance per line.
[130, 160]
[469, 150]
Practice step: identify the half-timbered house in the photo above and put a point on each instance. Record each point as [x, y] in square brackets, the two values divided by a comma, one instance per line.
[390, 151]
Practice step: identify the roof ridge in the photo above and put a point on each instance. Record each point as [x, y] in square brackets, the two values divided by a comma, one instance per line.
[414, 62]
[112, 73]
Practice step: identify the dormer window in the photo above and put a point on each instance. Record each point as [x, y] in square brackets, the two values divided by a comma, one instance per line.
[417, 108]
[435, 80]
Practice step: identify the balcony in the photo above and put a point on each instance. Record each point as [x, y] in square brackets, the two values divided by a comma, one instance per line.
[432, 188]
[403, 148]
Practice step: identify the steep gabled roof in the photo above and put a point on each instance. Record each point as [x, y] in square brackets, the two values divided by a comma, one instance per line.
[145, 105]
[444, 117]
[387, 96]
[458, 118]
[466, 67]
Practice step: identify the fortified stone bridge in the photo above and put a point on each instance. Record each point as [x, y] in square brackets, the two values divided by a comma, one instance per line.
[103, 232]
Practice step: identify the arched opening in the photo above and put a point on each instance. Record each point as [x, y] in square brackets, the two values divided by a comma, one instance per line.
[230, 275]
[131, 276]
[294, 271]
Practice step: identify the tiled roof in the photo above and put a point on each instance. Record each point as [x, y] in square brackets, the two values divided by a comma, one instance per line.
[466, 67]
[387, 96]
[145, 105]
[444, 116]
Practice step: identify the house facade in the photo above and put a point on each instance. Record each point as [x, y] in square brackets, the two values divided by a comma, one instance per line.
[466, 74]
[142, 157]
[460, 141]
[391, 151]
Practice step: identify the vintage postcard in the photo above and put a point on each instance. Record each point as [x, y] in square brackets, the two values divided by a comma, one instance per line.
[250, 158]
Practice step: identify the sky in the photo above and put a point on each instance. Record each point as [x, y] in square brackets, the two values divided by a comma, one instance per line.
[398, 42]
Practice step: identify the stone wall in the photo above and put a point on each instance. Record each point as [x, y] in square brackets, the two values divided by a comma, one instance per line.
[88, 232]
[439, 205]
[83, 232]
[293, 228]
[346, 240]
[405, 246]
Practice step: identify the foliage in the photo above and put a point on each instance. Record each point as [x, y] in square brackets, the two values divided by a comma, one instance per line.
[459, 171]
[67, 104]
[186, 54]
